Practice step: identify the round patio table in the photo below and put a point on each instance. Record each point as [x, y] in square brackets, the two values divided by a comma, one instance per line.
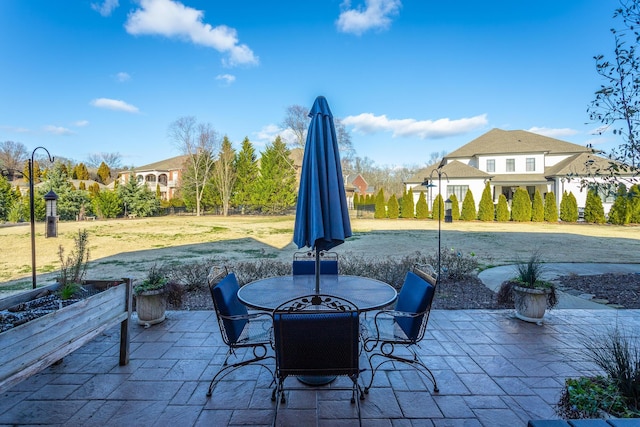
[267, 294]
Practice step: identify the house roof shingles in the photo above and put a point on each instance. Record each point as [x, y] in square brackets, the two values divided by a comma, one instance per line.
[498, 141]
[166, 164]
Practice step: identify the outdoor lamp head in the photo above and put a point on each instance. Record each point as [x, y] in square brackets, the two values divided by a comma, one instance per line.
[51, 200]
[448, 203]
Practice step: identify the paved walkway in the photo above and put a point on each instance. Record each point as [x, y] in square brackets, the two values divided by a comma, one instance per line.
[492, 370]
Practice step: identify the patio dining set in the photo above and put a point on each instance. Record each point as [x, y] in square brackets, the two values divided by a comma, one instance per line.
[290, 330]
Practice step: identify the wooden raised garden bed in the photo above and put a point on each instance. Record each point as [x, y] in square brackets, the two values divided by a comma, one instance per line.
[30, 347]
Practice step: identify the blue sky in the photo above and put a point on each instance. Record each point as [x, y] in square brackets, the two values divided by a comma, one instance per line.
[408, 77]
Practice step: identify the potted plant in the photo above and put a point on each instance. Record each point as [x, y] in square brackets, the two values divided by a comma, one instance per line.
[151, 297]
[530, 295]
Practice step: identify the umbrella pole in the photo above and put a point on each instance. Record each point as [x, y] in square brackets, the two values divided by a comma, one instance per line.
[317, 271]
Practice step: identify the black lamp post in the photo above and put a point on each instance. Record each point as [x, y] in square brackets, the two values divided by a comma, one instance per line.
[426, 183]
[32, 215]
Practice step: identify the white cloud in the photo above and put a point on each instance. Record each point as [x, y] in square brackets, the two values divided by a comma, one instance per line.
[226, 78]
[114, 104]
[173, 19]
[16, 129]
[553, 133]
[81, 123]
[376, 14]
[368, 123]
[123, 77]
[106, 7]
[268, 134]
[58, 130]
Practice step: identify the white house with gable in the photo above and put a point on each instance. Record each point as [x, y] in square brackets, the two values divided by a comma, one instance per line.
[509, 160]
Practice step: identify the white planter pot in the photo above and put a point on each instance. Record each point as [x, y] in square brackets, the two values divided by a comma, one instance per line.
[151, 307]
[530, 304]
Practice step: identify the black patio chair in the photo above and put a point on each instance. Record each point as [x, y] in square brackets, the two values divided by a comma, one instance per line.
[305, 263]
[317, 336]
[239, 328]
[392, 332]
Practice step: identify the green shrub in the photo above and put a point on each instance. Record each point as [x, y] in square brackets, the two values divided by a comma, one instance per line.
[408, 209]
[593, 209]
[502, 210]
[468, 207]
[537, 208]
[550, 207]
[422, 209]
[393, 211]
[620, 213]
[486, 211]
[455, 207]
[438, 208]
[634, 203]
[521, 206]
[381, 208]
[568, 208]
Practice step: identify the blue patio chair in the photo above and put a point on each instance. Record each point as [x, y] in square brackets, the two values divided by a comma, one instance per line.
[317, 336]
[304, 263]
[401, 328]
[239, 328]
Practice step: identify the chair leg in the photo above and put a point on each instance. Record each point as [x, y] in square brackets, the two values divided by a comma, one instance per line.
[415, 362]
[227, 369]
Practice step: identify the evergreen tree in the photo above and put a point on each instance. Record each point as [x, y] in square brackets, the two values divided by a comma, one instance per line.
[94, 189]
[82, 186]
[455, 207]
[107, 204]
[422, 209]
[550, 207]
[521, 206]
[140, 200]
[502, 210]
[593, 209]
[275, 190]
[104, 173]
[381, 210]
[486, 209]
[37, 173]
[568, 208]
[619, 213]
[634, 203]
[7, 198]
[408, 210]
[437, 212]
[80, 171]
[392, 207]
[224, 174]
[356, 200]
[247, 175]
[537, 207]
[468, 207]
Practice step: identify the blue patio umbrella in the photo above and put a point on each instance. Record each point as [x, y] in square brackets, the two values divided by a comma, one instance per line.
[322, 216]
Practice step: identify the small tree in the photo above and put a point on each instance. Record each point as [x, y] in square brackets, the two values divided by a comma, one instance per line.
[593, 209]
[468, 207]
[568, 208]
[634, 203]
[619, 213]
[550, 207]
[486, 209]
[437, 212]
[356, 200]
[407, 205]
[455, 207]
[422, 209]
[381, 210]
[521, 206]
[502, 210]
[104, 173]
[537, 207]
[392, 207]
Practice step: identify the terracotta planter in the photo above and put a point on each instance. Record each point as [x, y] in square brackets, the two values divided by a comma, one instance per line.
[151, 307]
[530, 304]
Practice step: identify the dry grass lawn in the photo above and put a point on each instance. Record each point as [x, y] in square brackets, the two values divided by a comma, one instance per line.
[127, 248]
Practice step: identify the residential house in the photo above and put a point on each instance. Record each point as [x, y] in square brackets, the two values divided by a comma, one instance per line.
[509, 160]
[165, 175]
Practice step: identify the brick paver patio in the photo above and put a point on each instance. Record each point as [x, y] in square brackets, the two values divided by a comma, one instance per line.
[492, 371]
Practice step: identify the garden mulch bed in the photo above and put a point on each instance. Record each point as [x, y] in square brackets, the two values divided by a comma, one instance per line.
[470, 293]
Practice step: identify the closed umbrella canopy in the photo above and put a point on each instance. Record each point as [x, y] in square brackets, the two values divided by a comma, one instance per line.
[322, 215]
